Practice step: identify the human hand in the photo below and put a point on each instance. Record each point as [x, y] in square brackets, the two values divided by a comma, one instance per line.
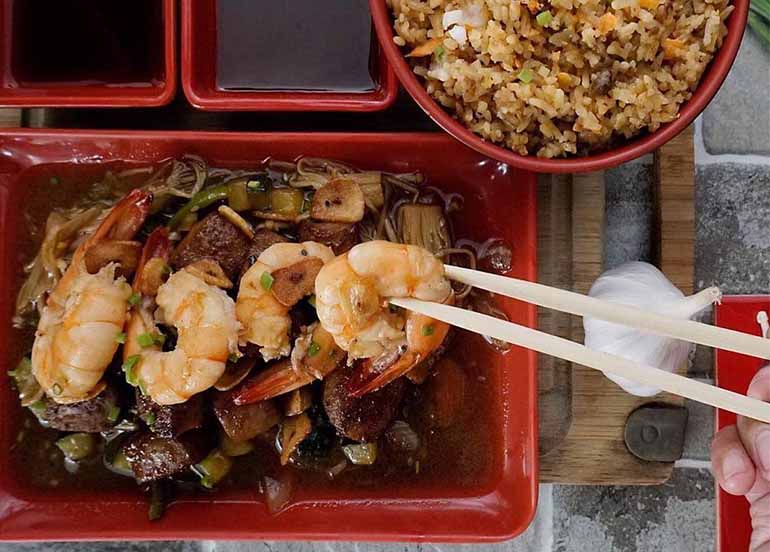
[740, 458]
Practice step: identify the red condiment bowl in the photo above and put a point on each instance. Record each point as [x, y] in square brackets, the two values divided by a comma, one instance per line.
[496, 503]
[199, 61]
[154, 89]
[646, 143]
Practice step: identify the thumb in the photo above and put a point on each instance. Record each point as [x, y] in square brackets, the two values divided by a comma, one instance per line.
[755, 435]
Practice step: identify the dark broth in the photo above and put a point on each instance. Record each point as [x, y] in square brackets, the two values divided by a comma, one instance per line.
[461, 452]
[294, 45]
[87, 41]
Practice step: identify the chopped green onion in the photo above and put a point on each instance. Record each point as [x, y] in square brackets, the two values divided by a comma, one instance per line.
[145, 340]
[121, 337]
[128, 368]
[361, 454]
[439, 51]
[526, 76]
[134, 299]
[38, 407]
[150, 418]
[54, 180]
[256, 185]
[266, 281]
[428, 329]
[201, 200]
[77, 446]
[142, 388]
[213, 468]
[544, 18]
[313, 349]
[113, 414]
[233, 357]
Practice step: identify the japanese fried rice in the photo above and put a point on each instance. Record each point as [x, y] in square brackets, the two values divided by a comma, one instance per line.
[560, 77]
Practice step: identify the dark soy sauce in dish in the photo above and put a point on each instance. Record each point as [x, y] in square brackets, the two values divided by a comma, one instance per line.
[87, 41]
[311, 45]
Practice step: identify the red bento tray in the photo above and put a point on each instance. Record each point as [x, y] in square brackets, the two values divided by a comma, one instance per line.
[499, 201]
[199, 39]
[735, 372]
[158, 90]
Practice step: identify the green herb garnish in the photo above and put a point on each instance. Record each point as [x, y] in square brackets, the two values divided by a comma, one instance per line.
[113, 414]
[313, 349]
[256, 185]
[233, 357]
[54, 180]
[428, 329]
[759, 20]
[526, 76]
[134, 299]
[128, 368]
[150, 418]
[439, 52]
[266, 281]
[544, 18]
[145, 340]
[120, 337]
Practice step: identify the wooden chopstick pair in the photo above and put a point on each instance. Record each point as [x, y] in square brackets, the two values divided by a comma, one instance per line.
[575, 303]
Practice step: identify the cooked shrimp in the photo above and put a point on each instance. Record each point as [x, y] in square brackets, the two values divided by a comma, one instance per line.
[207, 329]
[85, 313]
[313, 357]
[282, 275]
[351, 303]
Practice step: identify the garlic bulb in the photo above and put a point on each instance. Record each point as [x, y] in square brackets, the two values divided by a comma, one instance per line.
[644, 286]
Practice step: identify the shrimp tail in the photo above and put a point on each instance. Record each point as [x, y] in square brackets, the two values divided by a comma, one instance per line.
[367, 378]
[275, 380]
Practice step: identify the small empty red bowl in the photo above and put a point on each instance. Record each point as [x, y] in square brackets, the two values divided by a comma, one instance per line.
[87, 54]
[646, 143]
[199, 75]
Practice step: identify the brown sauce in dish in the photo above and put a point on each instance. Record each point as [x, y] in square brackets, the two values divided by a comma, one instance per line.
[294, 45]
[460, 451]
[87, 41]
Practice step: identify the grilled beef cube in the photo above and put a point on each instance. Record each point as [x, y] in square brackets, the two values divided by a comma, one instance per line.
[214, 238]
[263, 239]
[360, 418]
[170, 420]
[244, 422]
[153, 457]
[91, 416]
[340, 236]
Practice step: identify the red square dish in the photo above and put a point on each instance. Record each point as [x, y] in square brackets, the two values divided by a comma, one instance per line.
[497, 502]
[107, 58]
[199, 67]
[734, 371]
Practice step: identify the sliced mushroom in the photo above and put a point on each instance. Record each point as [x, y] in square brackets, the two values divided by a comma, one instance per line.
[293, 282]
[297, 401]
[340, 200]
[125, 253]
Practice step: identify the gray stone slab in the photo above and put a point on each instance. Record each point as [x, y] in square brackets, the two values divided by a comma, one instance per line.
[629, 213]
[676, 516]
[732, 248]
[738, 120]
[700, 431]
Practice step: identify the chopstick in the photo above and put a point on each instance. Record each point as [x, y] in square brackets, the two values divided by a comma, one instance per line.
[580, 354]
[583, 305]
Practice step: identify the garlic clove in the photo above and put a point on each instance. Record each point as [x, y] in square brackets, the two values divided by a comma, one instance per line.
[644, 286]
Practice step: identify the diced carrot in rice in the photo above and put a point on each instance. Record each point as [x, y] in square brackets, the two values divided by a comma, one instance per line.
[607, 23]
[649, 4]
[673, 48]
[426, 48]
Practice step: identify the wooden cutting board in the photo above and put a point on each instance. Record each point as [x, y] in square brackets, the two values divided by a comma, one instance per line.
[582, 413]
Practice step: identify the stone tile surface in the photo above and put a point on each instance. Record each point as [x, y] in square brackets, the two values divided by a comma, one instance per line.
[676, 516]
[699, 432]
[732, 248]
[629, 213]
[738, 120]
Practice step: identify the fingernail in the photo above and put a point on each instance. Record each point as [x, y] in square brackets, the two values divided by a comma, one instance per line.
[762, 444]
[733, 466]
